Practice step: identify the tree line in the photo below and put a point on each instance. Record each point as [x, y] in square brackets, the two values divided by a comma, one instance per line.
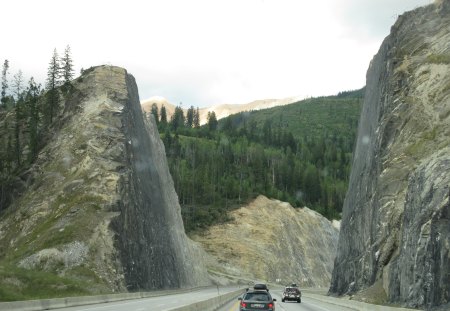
[27, 114]
[221, 165]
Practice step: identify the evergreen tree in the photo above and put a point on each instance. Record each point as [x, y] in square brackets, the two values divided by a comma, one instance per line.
[177, 120]
[67, 66]
[4, 98]
[33, 93]
[154, 112]
[163, 115]
[228, 125]
[212, 121]
[190, 117]
[51, 87]
[197, 118]
[17, 127]
[18, 79]
[312, 185]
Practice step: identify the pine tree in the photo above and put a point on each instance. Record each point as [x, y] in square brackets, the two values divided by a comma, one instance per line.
[18, 79]
[177, 120]
[4, 98]
[67, 66]
[51, 87]
[33, 92]
[197, 119]
[162, 125]
[190, 117]
[212, 121]
[17, 136]
[154, 112]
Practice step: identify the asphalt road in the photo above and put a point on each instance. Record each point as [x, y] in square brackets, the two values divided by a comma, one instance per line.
[161, 303]
[307, 304]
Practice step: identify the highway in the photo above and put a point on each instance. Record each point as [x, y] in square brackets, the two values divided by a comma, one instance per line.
[200, 300]
[160, 303]
[307, 304]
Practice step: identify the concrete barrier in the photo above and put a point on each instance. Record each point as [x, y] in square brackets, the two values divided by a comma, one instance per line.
[55, 303]
[212, 303]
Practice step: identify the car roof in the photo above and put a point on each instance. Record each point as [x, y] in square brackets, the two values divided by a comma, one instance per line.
[257, 291]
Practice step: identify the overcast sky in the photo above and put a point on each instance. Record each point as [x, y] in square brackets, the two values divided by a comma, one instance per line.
[206, 52]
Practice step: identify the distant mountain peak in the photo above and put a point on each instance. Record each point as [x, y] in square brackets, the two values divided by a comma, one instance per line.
[221, 110]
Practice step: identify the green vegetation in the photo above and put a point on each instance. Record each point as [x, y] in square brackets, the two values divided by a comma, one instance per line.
[56, 231]
[22, 284]
[299, 153]
[73, 218]
[439, 58]
[420, 146]
[27, 118]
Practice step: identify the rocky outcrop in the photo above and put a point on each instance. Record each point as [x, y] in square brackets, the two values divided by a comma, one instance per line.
[269, 240]
[395, 231]
[155, 251]
[100, 206]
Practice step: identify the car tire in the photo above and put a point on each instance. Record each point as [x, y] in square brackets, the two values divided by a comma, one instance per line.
[299, 301]
[282, 300]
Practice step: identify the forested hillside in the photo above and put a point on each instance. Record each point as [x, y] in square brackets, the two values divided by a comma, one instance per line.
[299, 153]
[28, 116]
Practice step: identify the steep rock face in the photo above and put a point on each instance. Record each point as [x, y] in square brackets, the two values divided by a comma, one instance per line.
[100, 206]
[269, 240]
[155, 250]
[395, 227]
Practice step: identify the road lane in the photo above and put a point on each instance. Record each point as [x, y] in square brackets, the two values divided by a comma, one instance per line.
[307, 304]
[160, 303]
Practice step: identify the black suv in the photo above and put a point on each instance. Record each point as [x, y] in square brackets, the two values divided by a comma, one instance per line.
[291, 293]
[256, 300]
[260, 286]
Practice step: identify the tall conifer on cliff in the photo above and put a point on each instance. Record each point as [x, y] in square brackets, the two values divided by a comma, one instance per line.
[67, 66]
[4, 99]
[52, 97]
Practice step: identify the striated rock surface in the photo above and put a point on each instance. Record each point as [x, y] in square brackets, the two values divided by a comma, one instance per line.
[101, 207]
[395, 231]
[269, 240]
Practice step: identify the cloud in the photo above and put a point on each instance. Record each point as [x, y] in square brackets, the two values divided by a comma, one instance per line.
[373, 19]
[205, 52]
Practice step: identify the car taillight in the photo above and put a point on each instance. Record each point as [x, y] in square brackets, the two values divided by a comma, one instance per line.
[270, 305]
[243, 304]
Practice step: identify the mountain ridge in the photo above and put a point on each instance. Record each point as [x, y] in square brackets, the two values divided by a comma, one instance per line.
[221, 110]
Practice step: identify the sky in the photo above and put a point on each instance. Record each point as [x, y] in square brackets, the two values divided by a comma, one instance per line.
[206, 52]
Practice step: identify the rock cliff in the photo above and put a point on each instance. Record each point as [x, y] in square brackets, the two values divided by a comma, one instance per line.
[270, 240]
[395, 231]
[100, 206]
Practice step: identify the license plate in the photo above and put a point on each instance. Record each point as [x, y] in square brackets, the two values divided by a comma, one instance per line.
[257, 305]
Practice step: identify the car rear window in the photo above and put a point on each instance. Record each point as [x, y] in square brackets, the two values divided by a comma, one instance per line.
[292, 290]
[257, 297]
